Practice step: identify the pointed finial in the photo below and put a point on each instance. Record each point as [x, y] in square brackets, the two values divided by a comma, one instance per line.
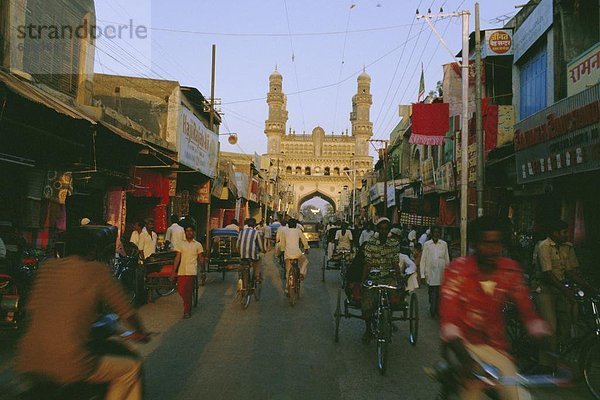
[364, 68]
[275, 67]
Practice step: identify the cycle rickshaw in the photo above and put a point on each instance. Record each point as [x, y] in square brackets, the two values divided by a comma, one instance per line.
[391, 299]
[335, 260]
[224, 255]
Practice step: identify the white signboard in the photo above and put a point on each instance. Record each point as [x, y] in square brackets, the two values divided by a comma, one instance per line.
[198, 146]
[498, 42]
[584, 71]
[532, 28]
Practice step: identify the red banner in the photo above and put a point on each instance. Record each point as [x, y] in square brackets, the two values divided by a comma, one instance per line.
[430, 122]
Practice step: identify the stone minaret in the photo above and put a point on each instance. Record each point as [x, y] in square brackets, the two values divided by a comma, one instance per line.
[362, 127]
[278, 115]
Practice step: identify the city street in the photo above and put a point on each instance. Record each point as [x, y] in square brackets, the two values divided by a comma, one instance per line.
[273, 351]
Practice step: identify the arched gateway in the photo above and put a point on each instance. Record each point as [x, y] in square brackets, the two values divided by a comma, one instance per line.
[319, 164]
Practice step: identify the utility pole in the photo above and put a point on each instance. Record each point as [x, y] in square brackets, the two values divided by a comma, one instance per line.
[385, 179]
[464, 135]
[478, 116]
[212, 125]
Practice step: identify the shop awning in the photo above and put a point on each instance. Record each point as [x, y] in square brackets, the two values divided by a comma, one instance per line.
[38, 95]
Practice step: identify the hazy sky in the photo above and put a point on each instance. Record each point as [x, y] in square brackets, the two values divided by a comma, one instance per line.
[330, 42]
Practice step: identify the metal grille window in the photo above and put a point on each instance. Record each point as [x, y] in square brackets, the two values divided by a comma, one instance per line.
[51, 47]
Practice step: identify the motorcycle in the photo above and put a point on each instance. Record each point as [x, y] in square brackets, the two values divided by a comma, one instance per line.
[34, 387]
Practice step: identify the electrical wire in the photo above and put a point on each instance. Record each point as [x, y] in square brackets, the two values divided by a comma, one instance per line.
[329, 85]
[266, 34]
[287, 17]
[395, 71]
[337, 92]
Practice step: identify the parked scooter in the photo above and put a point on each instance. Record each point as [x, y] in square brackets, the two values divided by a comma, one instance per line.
[106, 339]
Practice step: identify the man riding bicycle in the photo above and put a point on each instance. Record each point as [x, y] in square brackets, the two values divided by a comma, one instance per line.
[382, 253]
[474, 293]
[290, 240]
[250, 245]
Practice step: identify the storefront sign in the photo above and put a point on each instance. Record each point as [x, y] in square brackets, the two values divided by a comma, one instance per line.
[198, 146]
[427, 175]
[555, 123]
[203, 193]
[444, 181]
[584, 71]
[506, 123]
[562, 140]
[575, 152]
[532, 28]
[498, 42]
[391, 195]
[376, 193]
[471, 155]
[242, 181]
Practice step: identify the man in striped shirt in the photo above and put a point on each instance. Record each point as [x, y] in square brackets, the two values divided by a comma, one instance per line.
[250, 244]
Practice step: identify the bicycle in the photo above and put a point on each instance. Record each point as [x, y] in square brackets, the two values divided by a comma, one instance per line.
[487, 377]
[583, 350]
[249, 286]
[383, 318]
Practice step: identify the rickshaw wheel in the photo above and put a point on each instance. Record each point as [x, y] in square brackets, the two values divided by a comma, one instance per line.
[162, 292]
[338, 316]
[413, 318]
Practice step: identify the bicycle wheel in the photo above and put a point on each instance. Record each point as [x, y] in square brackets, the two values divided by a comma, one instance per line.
[342, 273]
[245, 292]
[293, 285]
[591, 369]
[384, 331]
[338, 316]
[323, 268]
[413, 319]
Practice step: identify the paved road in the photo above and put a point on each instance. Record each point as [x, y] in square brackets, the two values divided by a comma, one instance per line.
[273, 351]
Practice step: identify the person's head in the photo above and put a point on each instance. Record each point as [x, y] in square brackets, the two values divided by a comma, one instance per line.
[396, 232]
[174, 219]
[251, 222]
[418, 246]
[436, 233]
[344, 226]
[139, 225]
[370, 226]
[234, 222]
[558, 231]
[150, 225]
[190, 231]
[261, 223]
[383, 228]
[488, 235]
[292, 223]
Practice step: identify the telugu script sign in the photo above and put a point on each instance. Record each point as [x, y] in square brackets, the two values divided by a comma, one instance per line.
[198, 146]
[584, 71]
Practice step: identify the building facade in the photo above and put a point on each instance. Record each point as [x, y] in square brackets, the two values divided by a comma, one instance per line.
[318, 164]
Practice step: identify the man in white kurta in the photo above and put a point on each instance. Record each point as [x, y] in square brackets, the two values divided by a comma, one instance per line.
[433, 261]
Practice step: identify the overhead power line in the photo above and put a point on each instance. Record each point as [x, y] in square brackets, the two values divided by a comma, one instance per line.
[262, 34]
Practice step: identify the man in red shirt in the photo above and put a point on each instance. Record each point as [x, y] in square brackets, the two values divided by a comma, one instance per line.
[474, 292]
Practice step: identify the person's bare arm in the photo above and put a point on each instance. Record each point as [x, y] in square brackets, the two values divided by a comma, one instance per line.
[176, 263]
